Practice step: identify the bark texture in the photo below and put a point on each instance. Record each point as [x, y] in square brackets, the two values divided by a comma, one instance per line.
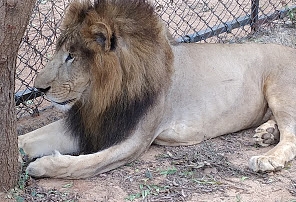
[14, 17]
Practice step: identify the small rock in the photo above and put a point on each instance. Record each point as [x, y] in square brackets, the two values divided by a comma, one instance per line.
[210, 170]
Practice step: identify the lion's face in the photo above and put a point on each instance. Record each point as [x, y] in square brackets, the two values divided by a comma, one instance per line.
[64, 79]
[102, 61]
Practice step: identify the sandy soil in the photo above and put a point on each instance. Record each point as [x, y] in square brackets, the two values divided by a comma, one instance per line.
[215, 170]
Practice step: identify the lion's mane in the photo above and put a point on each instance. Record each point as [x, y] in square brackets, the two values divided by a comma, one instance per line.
[125, 45]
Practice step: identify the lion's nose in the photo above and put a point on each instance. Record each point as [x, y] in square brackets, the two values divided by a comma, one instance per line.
[44, 90]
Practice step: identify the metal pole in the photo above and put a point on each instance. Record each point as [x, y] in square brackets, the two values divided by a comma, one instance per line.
[254, 14]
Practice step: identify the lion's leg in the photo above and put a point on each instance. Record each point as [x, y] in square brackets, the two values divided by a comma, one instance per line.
[276, 158]
[267, 133]
[46, 140]
[284, 111]
[83, 166]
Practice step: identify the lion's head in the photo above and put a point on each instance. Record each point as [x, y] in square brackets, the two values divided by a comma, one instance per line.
[112, 60]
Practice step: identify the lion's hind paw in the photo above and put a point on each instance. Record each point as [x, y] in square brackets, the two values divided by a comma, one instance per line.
[266, 163]
[267, 134]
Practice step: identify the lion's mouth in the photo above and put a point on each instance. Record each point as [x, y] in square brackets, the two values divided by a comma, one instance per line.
[65, 102]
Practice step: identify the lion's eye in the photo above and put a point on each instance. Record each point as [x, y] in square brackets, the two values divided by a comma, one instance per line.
[69, 57]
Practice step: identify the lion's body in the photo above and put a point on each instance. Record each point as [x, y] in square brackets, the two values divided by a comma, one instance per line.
[169, 94]
[215, 89]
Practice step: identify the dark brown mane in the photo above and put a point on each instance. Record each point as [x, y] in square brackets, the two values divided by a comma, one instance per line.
[124, 45]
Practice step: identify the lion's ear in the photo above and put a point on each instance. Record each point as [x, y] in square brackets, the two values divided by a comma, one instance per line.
[103, 35]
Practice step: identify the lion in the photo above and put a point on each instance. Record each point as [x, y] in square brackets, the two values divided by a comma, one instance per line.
[125, 85]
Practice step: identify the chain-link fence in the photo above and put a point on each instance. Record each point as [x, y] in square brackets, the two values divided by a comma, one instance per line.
[188, 20]
[36, 48]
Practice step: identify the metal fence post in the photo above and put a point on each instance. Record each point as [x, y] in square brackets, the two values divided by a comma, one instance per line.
[254, 14]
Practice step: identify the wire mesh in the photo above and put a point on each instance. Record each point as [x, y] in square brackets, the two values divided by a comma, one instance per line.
[37, 47]
[217, 21]
[187, 17]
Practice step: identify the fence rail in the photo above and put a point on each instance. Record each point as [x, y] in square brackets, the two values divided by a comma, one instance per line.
[188, 21]
[227, 27]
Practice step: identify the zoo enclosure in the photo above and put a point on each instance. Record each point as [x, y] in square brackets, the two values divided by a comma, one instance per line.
[219, 21]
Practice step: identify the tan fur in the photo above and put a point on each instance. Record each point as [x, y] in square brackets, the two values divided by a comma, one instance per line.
[121, 54]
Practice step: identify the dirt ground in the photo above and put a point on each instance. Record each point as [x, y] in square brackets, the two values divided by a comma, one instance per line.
[215, 170]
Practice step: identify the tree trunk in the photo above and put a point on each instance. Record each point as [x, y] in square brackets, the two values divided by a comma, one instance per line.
[14, 17]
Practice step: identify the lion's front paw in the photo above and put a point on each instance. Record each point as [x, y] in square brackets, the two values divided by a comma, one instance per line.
[267, 134]
[36, 169]
[55, 165]
[266, 163]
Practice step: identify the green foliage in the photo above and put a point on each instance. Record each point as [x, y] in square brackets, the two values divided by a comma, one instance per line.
[292, 15]
[169, 171]
[243, 178]
[24, 177]
[69, 185]
[146, 190]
